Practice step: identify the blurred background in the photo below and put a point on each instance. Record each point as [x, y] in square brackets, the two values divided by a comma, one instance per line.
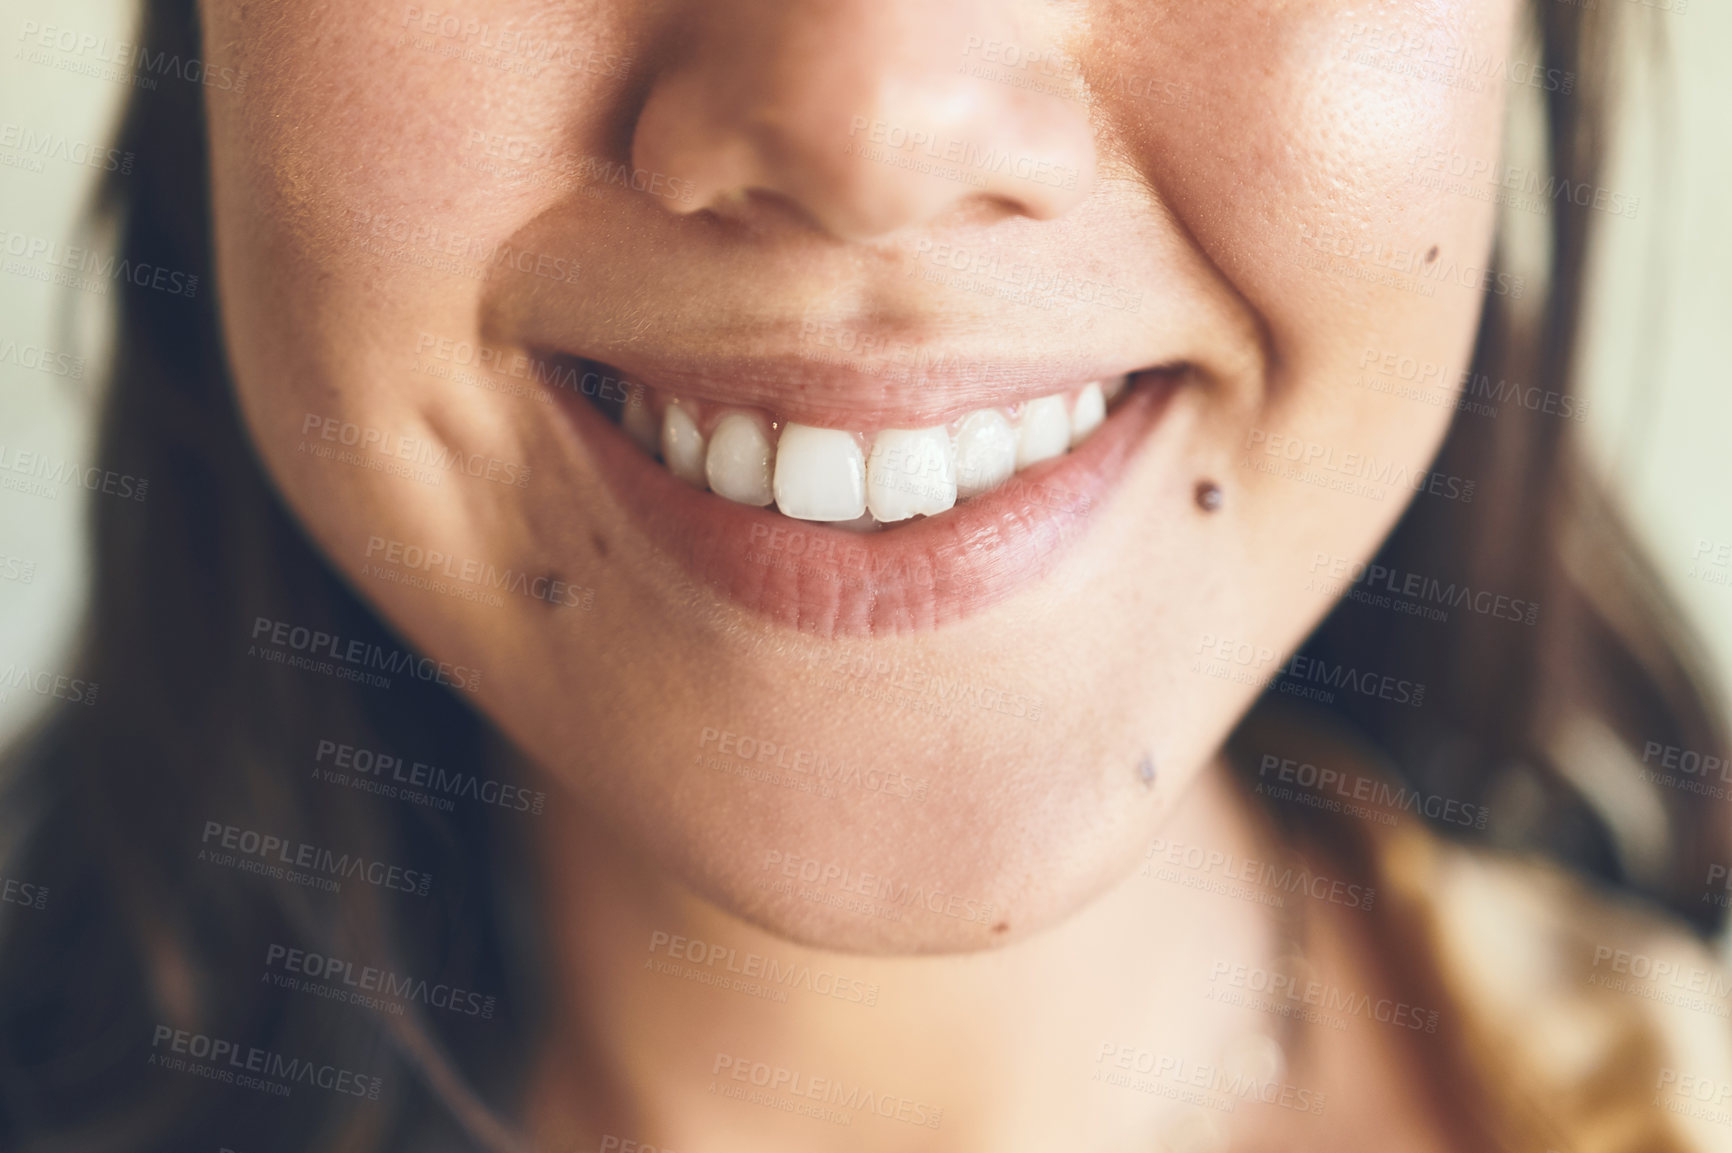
[1659, 336]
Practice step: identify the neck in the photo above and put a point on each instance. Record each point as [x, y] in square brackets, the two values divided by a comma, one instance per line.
[681, 1027]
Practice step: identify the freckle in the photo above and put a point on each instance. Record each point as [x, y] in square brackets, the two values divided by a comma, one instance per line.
[1432, 255]
[1209, 496]
[1001, 927]
[1146, 770]
[600, 543]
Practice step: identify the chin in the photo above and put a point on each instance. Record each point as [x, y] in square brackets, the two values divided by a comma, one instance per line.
[947, 856]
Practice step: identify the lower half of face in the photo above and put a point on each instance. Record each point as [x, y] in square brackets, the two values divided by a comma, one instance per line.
[837, 494]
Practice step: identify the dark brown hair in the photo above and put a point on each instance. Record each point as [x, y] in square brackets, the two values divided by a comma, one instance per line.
[111, 801]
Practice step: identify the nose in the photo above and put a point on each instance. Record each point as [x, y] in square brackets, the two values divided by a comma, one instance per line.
[870, 116]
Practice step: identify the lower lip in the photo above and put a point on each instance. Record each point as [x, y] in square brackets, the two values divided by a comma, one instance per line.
[913, 577]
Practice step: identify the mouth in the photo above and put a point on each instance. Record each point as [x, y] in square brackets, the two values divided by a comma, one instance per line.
[887, 527]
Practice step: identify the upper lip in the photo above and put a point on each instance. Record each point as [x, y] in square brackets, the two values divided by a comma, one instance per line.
[915, 389]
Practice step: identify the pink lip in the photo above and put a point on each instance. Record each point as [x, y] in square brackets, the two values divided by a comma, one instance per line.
[832, 582]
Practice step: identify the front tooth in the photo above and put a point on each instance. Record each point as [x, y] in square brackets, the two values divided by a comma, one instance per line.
[820, 474]
[1090, 411]
[639, 420]
[1045, 431]
[985, 452]
[910, 473]
[683, 445]
[738, 463]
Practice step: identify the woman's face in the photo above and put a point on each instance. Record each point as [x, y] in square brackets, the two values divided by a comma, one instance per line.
[450, 235]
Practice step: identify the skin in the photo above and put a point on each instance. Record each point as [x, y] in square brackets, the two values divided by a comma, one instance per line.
[1217, 148]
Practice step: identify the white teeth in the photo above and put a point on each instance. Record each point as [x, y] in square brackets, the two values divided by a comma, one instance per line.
[640, 421]
[1045, 431]
[985, 452]
[823, 474]
[740, 459]
[1090, 411]
[820, 474]
[910, 473]
[683, 445]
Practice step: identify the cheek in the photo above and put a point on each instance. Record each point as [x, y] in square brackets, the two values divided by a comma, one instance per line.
[358, 227]
[361, 204]
[1317, 210]
[1314, 206]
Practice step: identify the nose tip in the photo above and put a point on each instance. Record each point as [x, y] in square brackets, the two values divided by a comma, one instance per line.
[864, 117]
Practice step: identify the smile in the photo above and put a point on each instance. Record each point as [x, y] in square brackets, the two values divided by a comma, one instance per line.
[842, 476]
[840, 530]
